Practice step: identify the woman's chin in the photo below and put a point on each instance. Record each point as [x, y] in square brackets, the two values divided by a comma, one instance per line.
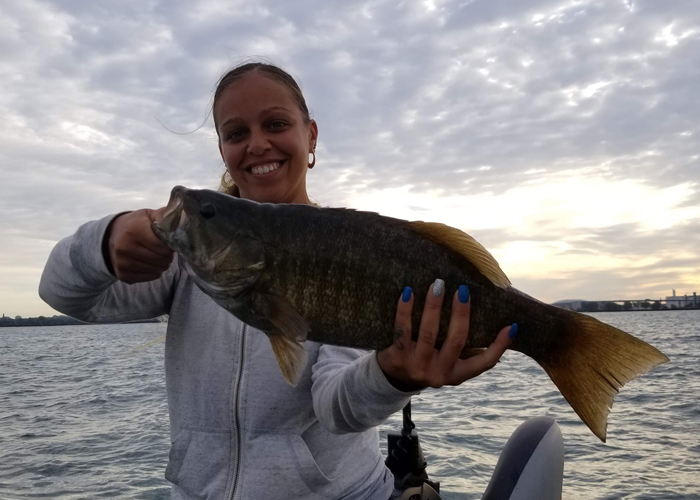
[273, 187]
[266, 194]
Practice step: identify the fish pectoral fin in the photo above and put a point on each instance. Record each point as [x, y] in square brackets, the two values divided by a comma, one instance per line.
[290, 330]
[286, 319]
[291, 356]
[466, 246]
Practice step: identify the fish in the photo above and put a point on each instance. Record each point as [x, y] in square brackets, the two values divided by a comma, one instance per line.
[333, 275]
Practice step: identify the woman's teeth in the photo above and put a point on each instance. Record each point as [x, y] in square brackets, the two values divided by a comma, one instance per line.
[263, 169]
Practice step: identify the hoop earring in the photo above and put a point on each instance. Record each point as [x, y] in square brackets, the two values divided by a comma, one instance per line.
[312, 162]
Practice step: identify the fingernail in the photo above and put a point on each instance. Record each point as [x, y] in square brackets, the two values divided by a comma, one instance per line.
[438, 287]
[406, 294]
[463, 294]
[513, 331]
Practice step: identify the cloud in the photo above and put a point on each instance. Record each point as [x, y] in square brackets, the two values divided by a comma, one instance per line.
[499, 110]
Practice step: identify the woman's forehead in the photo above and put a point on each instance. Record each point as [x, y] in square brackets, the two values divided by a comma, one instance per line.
[254, 94]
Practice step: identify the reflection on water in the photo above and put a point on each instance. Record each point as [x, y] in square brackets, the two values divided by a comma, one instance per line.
[82, 416]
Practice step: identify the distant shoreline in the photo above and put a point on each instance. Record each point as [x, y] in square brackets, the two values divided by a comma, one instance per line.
[646, 310]
[684, 303]
[6, 321]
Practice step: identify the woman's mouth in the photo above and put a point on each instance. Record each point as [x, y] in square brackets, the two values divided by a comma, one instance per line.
[265, 168]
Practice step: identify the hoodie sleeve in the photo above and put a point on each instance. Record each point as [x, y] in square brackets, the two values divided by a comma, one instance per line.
[350, 392]
[77, 282]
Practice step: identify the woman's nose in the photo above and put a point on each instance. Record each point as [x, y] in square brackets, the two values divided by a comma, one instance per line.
[258, 143]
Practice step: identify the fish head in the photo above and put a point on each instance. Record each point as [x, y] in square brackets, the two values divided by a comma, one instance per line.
[215, 233]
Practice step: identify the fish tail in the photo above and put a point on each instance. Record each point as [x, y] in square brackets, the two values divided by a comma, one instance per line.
[595, 361]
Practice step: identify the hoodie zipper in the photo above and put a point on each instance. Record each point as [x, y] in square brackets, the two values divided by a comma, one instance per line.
[236, 420]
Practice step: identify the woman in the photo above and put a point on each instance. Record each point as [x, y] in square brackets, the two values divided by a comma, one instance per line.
[238, 429]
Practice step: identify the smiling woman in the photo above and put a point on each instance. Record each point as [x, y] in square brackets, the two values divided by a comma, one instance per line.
[265, 134]
[235, 422]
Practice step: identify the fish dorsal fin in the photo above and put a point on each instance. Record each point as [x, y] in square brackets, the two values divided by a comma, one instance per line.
[466, 246]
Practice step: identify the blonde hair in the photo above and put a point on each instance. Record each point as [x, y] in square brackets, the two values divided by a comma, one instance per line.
[228, 186]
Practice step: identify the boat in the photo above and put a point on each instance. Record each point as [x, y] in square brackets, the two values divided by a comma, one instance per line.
[531, 465]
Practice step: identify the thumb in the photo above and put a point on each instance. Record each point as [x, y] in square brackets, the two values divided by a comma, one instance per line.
[156, 215]
[153, 240]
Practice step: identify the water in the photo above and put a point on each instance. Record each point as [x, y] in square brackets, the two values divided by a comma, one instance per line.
[80, 415]
[653, 441]
[83, 417]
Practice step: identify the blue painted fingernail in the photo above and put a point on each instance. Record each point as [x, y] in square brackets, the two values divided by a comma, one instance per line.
[406, 294]
[513, 331]
[463, 294]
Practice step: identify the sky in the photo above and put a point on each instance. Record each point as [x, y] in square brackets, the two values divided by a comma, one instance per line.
[562, 135]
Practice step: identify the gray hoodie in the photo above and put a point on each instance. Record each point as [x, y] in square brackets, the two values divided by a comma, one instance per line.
[238, 430]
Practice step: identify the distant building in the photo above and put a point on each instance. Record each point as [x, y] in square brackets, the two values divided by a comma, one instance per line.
[571, 305]
[680, 302]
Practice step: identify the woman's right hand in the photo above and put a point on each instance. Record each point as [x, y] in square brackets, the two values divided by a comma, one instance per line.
[136, 253]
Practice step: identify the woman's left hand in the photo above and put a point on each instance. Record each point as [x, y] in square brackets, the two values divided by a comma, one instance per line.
[416, 364]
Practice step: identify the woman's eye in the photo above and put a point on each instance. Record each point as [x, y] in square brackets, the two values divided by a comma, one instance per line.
[235, 134]
[277, 124]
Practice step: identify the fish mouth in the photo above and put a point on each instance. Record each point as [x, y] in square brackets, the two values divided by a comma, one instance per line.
[175, 216]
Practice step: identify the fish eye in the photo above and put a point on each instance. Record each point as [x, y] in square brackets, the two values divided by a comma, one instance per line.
[208, 211]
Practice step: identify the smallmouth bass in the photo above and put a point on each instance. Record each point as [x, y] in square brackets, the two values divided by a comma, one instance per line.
[334, 275]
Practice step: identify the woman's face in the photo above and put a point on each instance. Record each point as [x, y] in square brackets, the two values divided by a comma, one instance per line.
[264, 140]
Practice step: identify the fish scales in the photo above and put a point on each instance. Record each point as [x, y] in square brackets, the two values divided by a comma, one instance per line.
[351, 267]
[334, 276]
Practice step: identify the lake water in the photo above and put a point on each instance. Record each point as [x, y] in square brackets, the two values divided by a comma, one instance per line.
[83, 416]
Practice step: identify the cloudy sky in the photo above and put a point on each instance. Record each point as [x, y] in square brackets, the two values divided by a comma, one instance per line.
[563, 135]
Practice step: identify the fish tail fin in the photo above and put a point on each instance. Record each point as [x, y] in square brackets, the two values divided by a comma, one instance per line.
[594, 363]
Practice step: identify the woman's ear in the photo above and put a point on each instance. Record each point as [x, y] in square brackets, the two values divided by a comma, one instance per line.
[313, 135]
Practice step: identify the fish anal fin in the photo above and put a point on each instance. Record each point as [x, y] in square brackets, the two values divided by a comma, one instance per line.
[291, 356]
[593, 364]
[466, 246]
